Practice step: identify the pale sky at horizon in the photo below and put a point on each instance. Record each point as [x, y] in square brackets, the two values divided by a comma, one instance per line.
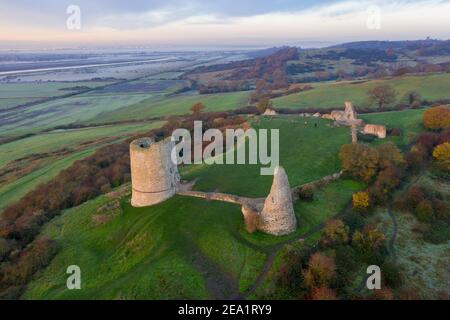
[220, 22]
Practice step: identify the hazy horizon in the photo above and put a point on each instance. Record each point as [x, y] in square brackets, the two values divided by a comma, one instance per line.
[25, 24]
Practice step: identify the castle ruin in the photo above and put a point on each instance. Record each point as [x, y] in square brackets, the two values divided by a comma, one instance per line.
[348, 117]
[277, 216]
[154, 176]
[375, 130]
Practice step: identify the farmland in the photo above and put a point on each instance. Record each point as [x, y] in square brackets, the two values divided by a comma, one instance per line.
[329, 95]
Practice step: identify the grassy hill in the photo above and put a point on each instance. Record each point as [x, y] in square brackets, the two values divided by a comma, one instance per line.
[187, 247]
[332, 95]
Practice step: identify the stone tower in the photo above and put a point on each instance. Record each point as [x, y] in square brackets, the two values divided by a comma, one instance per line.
[349, 113]
[154, 177]
[278, 217]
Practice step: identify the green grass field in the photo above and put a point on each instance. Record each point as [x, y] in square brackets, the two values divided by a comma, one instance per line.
[150, 253]
[51, 141]
[306, 152]
[333, 95]
[408, 121]
[81, 108]
[13, 94]
[52, 166]
[178, 105]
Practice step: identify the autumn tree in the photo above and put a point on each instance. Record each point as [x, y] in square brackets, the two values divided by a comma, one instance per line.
[197, 108]
[437, 118]
[390, 154]
[335, 232]
[280, 79]
[442, 154]
[382, 95]
[321, 271]
[359, 161]
[369, 239]
[360, 201]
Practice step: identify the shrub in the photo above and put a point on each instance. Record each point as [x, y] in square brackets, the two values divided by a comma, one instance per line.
[424, 211]
[335, 231]
[416, 157]
[359, 161]
[437, 118]
[442, 154]
[395, 132]
[321, 271]
[390, 155]
[305, 194]
[438, 233]
[360, 201]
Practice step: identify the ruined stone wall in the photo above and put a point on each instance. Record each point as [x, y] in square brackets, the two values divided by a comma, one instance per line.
[277, 216]
[153, 174]
[376, 130]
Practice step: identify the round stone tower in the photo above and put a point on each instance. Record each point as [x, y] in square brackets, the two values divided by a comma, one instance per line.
[278, 217]
[154, 177]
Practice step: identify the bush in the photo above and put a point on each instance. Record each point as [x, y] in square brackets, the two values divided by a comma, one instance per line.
[438, 233]
[424, 211]
[442, 155]
[321, 271]
[360, 201]
[359, 161]
[335, 232]
[305, 194]
[392, 275]
[437, 118]
[395, 132]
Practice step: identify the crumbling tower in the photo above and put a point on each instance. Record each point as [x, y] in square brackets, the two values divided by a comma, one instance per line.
[154, 176]
[278, 217]
[350, 113]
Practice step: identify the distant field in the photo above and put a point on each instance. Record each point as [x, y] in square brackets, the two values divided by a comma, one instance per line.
[13, 94]
[333, 95]
[62, 112]
[52, 166]
[48, 142]
[177, 105]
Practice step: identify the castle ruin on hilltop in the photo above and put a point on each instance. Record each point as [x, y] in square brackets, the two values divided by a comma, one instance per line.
[154, 176]
[349, 117]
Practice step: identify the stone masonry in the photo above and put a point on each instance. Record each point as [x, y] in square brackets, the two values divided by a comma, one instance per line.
[376, 130]
[277, 216]
[153, 174]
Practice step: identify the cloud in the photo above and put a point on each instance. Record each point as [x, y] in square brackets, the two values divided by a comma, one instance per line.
[219, 21]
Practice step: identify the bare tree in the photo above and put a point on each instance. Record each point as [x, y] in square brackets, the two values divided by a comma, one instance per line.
[382, 95]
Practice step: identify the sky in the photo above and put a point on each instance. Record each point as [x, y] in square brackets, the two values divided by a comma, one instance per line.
[218, 22]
